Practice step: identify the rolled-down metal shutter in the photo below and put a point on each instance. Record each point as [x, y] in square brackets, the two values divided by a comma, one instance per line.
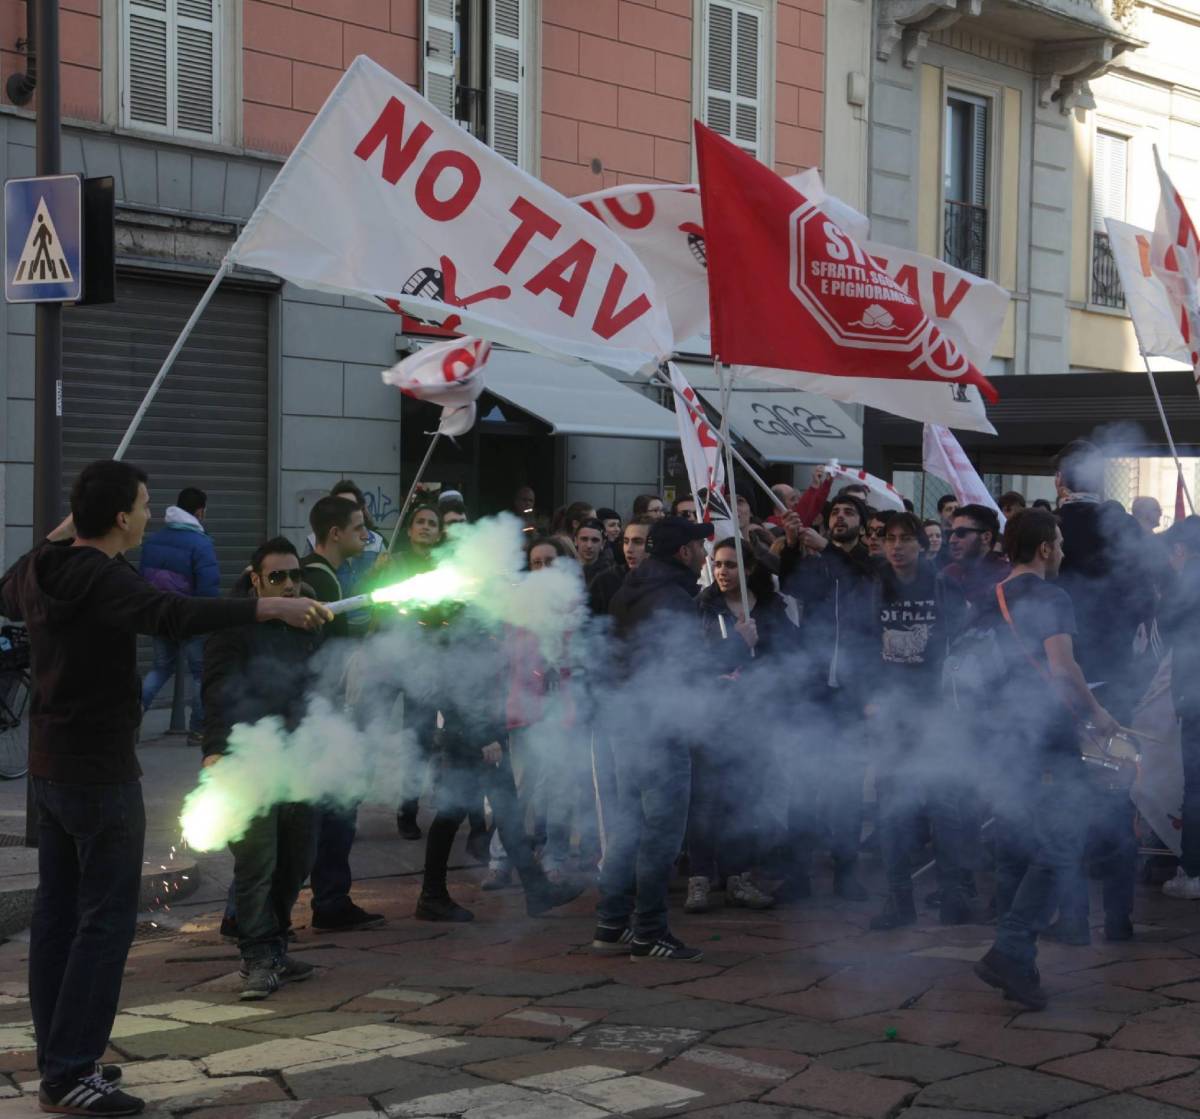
[208, 425]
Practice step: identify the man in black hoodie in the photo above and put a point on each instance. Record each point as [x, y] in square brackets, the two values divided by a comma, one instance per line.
[654, 612]
[84, 606]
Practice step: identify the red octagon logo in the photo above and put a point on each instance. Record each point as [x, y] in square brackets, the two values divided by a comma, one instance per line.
[856, 302]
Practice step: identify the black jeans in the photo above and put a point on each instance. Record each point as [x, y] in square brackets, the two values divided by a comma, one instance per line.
[1189, 741]
[331, 878]
[902, 789]
[722, 837]
[270, 863]
[90, 842]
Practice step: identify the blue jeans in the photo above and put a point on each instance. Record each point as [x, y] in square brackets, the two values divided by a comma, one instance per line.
[653, 786]
[330, 879]
[1039, 842]
[90, 842]
[165, 655]
[902, 790]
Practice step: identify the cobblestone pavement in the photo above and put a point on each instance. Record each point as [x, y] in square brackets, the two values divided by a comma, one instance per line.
[794, 1012]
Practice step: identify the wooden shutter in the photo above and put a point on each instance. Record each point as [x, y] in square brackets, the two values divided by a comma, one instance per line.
[441, 41]
[979, 153]
[506, 71]
[733, 78]
[171, 66]
[1109, 177]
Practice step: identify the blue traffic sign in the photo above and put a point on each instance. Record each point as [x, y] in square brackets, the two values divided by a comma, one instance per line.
[43, 239]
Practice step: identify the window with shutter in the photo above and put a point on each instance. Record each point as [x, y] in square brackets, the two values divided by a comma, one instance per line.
[733, 72]
[171, 66]
[1110, 170]
[441, 51]
[506, 77]
[965, 174]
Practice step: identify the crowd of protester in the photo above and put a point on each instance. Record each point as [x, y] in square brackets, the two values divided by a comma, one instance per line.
[946, 693]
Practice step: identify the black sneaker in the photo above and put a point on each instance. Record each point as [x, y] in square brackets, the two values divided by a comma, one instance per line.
[663, 947]
[611, 938]
[441, 909]
[1021, 984]
[259, 981]
[550, 895]
[346, 918]
[408, 827]
[88, 1095]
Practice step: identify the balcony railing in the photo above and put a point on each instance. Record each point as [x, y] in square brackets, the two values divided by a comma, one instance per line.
[965, 241]
[1106, 280]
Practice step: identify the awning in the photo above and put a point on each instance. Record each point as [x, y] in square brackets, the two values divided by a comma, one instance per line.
[788, 426]
[576, 399]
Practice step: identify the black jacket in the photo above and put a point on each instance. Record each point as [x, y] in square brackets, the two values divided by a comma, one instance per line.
[84, 611]
[603, 587]
[254, 671]
[655, 587]
[778, 637]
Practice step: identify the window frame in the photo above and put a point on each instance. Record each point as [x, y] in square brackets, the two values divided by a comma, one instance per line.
[765, 11]
[954, 82]
[1117, 132]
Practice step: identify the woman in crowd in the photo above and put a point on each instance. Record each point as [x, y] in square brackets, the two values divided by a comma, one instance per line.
[933, 538]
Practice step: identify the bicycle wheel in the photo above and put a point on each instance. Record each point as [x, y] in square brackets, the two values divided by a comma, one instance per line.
[14, 730]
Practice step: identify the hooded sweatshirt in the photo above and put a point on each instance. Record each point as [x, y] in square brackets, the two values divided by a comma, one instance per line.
[84, 611]
[180, 557]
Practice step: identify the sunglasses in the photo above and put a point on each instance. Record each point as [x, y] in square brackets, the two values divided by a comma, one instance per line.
[963, 533]
[278, 578]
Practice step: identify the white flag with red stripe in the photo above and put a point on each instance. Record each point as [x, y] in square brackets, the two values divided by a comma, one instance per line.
[446, 373]
[883, 495]
[1155, 317]
[1175, 259]
[701, 457]
[943, 455]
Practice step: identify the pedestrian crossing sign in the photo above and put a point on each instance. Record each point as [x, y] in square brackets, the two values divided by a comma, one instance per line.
[43, 239]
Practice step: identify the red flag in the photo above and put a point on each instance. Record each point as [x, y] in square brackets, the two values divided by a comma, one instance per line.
[788, 289]
[1180, 511]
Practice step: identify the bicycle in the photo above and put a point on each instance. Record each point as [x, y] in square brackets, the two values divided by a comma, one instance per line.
[14, 701]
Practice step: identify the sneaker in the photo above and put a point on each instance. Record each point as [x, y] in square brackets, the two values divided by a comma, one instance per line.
[897, 912]
[259, 981]
[697, 900]
[611, 938]
[542, 898]
[497, 878]
[88, 1095]
[346, 918]
[847, 887]
[441, 909]
[290, 970]
[229, 928]
[1019, 983]
[407, 826]
[741, 890]
[1182, 887]
[663, 947]
[111, 1073]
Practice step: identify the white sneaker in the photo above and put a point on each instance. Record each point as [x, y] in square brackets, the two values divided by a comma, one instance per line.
[1181, 886]
[697, 895]
[741, 890]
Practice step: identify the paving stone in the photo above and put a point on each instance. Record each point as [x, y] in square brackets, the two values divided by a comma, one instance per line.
[842, 1092]
[1159, 1037]
[536, 985]
[964, 1002]
[924, 1027]
[338, 1107]
[271, 1056]
[756, 980]
[464, 1010]
[617, 996]
[1146, 975]
[191, 1041]
[901, 1061]
[158, 1072]
[540, 1022]
[695, 1014]
[1184, 1092]
[1123, 1107]
[426, 1080]
[405, 995]
[1010, 1091]
[831, 1005]
[206, 1090]
[371, 1037]
[370, 1074]
[1077, 1020]
[1119, 1069]
[1119, 1000]
[562, 1060]
[124, 1025]
[745, 1110]
[1027, 1048]
[797, 1034]
[942, 1113]
[317, 1022]
[657, 1041]
[471, 1050]
[767, 1065]
[628, 1095]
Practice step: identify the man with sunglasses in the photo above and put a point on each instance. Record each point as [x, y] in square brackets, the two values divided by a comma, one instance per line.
[975, 566]
[250, 673]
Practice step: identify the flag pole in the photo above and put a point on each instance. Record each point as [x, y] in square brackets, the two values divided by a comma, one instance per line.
[156, 384]
[1162, 415]
[412, 490]
[723, 380]
[741, 459]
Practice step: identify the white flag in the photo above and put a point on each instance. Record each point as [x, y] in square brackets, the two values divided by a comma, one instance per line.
[446, 373]
[883, 495]
[1175, 259]
[663, 225]
[1154, 320]
[943, 455]
[385, 198]
[702, 458]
